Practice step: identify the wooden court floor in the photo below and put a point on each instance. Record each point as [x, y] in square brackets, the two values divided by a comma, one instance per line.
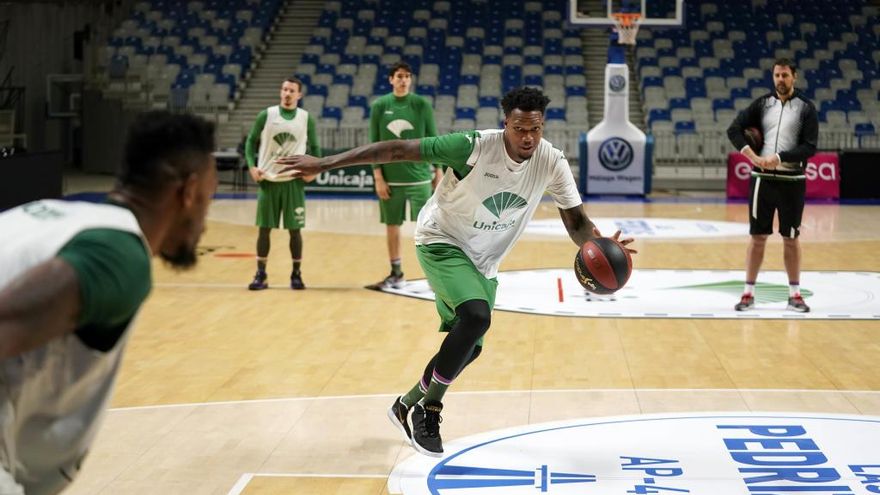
[227, 391]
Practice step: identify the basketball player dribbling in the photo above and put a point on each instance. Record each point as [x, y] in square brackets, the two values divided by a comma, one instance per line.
[493, 184]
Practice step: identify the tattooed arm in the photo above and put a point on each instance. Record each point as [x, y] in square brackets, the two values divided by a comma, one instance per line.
[382, 152]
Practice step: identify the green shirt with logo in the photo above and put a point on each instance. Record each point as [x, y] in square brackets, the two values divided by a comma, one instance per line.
[407, 117]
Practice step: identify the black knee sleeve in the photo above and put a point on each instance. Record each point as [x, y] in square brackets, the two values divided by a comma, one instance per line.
[458, 347]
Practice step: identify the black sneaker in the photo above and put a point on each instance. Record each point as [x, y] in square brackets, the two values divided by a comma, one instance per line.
[399, 414]
[392, 281]
[296, 281]
[259, 282]
[426, 428]
[746, 302]
[796, 303]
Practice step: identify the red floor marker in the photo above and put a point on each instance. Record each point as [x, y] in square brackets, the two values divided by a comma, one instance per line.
[559, 289]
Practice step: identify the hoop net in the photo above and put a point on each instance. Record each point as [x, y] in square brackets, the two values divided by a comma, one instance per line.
[627, 25]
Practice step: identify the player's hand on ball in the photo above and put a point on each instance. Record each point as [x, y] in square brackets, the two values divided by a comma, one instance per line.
[616, 237]
[624, 242]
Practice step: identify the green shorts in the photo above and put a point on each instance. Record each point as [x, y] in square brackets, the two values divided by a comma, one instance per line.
[277, 199]
[393, 210]
[454, 280]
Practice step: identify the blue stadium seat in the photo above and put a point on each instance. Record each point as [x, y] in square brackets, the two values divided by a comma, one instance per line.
[332, 113]
[343, 79]
[685, 127]
[555, 114]
[470, 79]
[425, 90]
[679, 103]
[575, 91]
[722, 103]
[465, 113]
[865, 129]
[489, 102]
[359, 101]
[658, 114]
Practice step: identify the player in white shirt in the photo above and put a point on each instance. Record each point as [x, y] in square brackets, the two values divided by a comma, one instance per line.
[493, 184]
[74, 276]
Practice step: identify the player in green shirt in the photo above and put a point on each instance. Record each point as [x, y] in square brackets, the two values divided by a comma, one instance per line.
[401, 115]
[281, 130]
[73, 275]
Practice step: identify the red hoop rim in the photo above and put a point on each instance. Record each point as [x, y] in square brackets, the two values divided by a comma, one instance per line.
[626, 19]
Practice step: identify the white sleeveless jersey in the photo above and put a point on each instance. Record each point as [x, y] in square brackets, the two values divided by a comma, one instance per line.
[485, 213]
[52, 398]
[280, 138]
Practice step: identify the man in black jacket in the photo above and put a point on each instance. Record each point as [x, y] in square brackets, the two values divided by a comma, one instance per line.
[790, 128]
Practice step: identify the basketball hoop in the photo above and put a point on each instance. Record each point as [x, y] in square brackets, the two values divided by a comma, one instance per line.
[627, 25]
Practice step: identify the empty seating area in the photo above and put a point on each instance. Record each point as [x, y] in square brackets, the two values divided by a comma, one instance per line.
[465, 56]
[696, 78]
[184, 55]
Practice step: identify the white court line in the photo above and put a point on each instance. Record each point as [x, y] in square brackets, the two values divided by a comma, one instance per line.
[504, 392]
[169, 285]
[241, 484]
[246, 478]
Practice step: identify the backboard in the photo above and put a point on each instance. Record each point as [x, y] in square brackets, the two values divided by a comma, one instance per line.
[597, 13]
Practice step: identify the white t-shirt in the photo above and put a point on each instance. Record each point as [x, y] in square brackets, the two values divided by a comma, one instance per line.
[486, 211]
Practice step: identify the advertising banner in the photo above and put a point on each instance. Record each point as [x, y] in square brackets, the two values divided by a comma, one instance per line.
[823, 176]
[357, 179]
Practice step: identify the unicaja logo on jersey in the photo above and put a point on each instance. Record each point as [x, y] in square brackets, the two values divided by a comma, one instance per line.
[617, 83]
[397, 126]
[615, 154]
[283, 138]
[502, 201]
[497, 205]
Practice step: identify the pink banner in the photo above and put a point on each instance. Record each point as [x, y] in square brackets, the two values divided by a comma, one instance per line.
[823, 176]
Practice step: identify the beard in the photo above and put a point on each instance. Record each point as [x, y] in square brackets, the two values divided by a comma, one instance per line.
[183, 258]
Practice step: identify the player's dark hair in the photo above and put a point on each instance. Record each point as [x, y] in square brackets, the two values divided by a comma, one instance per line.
[163, 147]
[397, 66]
[526, 99]
[786, 62]
[295, 80]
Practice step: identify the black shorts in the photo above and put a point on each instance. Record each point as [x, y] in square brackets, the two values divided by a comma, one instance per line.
[767, 196]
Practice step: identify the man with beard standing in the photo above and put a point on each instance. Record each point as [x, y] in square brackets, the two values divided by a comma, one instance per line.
[74, 276]
[281, 130]
[790, 126]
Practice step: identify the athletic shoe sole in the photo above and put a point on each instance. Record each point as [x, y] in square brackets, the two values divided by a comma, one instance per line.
[423, 451]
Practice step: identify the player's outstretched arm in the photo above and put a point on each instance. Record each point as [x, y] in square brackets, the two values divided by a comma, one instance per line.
[38, 306]
[399, 150]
